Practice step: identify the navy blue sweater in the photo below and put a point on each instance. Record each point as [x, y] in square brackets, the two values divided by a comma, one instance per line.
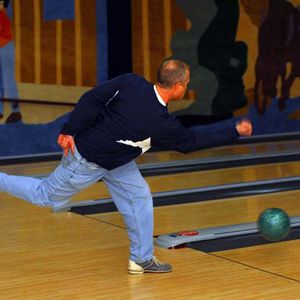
[120, 119]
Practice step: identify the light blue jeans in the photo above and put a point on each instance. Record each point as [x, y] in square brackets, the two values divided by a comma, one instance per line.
[127, 187]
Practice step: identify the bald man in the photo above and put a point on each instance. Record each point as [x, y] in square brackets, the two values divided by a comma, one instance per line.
[111, 125]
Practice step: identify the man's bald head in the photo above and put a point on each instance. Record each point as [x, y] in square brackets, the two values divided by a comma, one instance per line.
[170, 72]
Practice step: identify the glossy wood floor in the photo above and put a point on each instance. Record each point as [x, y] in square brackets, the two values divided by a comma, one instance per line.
[179, 181]
[45, 255]
[152, 158]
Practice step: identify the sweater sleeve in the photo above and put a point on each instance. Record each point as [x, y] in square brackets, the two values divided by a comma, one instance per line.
[176, 137]
[91, 104]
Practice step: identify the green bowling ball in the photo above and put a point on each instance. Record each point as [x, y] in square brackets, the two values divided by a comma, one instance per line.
[273, 224]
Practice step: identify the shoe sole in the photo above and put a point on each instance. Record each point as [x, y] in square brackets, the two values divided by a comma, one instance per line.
[146, 271]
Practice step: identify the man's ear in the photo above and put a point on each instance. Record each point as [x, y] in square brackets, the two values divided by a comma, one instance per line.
[177, 85]
[175, 88]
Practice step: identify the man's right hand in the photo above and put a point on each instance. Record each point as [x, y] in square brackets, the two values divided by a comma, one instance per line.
[67, 143]
[244, 127]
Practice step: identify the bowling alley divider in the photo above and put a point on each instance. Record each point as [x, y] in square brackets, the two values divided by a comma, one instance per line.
[180, 239]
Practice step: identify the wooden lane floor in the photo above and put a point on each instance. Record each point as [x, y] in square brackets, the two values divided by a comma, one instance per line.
[68, 256]
[44, 168]
[179, 181]
[184, 180]
[219, 152]
[190, 216]
[279, 260]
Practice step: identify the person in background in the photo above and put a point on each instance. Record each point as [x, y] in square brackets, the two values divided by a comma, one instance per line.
[8, 86]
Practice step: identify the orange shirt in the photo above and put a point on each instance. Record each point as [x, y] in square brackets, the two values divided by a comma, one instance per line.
[5, 28]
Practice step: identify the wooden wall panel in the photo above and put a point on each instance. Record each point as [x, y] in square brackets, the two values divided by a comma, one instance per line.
[68, 52]
[137, 37]
[89, 46]
[48, 52]
[27, 41]
[51, 51]
[156, 36]
[160, 25]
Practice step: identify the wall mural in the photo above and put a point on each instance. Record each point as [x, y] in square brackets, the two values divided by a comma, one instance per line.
[278, 48]
[242, 54]
[218, 62]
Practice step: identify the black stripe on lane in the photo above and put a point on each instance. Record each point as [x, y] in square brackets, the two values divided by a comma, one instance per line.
[240, 241]
[196, 195]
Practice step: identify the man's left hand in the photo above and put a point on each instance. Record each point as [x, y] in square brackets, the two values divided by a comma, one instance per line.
[67, 143]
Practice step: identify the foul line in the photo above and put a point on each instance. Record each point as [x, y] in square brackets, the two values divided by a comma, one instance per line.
[249, 266]
[105, 222]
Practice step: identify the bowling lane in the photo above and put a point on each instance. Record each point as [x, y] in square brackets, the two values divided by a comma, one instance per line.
[280, 258]
[227, 151]
[30, 169]
[181, 181]
[223, 212]
[37, 262]
[43, 168]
